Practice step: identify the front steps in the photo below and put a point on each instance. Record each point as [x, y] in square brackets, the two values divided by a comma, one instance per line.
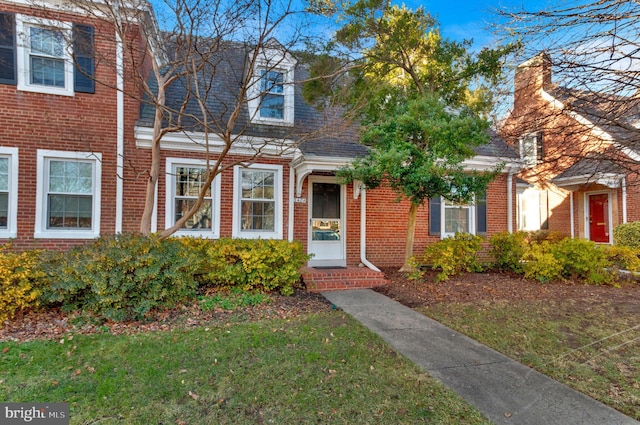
[319, 279]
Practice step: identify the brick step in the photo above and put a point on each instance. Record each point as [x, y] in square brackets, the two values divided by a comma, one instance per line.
[335, 279]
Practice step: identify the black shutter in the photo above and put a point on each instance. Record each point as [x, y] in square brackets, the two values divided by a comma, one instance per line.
[481, 214]
[540, 146]
[84, 69]
[434, 216]
[7, 48]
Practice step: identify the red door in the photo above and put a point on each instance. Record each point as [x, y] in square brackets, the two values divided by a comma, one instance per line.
[599, 218]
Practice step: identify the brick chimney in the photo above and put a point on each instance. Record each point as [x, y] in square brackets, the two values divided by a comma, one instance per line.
[530, 78]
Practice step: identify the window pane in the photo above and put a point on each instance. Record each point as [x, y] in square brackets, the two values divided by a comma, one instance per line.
[69, 211]
[47, 72]
[70, 177]
[4, 210]
[189, 181]
[200, 220]
[4, 174]
[258, 184]
[258, 215]
[456, 219]
[45, 41]
[271, 81]
[272, 106]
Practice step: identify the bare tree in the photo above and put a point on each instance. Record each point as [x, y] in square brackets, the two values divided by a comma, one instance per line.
[181, 62]
[593, 49]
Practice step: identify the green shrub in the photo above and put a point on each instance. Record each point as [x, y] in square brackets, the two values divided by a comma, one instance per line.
[582, 259]
[454, 255]
[627, 234]
[20, 276]
[541, 264]
[253, 264]
[623, 258]
[508, 249]
[122, 277]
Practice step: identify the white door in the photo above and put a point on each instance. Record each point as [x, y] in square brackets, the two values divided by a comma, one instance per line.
[326, 222]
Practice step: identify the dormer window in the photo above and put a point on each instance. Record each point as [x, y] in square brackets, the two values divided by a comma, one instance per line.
[272, 104]
[271, 90]
[531, 148]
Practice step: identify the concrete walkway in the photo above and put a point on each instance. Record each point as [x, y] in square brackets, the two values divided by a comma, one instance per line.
[504, 390]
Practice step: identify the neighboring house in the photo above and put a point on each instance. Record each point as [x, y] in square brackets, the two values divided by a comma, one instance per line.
[71, 156]
[580, 162]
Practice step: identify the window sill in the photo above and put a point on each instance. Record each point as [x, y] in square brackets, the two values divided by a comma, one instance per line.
[66, 234]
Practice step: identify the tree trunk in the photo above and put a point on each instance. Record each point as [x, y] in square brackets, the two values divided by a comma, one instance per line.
[411, 232]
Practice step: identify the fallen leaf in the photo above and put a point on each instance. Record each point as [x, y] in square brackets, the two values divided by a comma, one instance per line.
[5, 350]
[507, 414]
[194, 395]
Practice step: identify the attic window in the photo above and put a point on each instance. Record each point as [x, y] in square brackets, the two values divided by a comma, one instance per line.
[531, 148]
[271, 91]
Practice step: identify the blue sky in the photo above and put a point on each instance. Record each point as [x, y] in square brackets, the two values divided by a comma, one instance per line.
[468, 19]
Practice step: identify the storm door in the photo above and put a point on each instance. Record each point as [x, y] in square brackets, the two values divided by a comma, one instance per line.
[326, 223]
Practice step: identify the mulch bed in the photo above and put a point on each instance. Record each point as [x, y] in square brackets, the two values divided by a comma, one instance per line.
[467, 288]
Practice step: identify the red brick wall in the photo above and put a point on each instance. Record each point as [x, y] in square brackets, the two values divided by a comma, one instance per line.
[83, 122]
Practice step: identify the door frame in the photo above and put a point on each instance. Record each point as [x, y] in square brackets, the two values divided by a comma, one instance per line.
[609, 213]
[337, 262]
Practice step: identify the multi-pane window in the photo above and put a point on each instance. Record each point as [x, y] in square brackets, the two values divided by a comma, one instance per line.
[189, 181]
[457, 218]
[258, 202]
[273, 96]
[46, 57]
[69, 194]
[4, 192]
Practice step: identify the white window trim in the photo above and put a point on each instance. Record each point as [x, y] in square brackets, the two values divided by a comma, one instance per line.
[472, 218]
[12, 214]
[529, 160]
[278, 61]
[41, 230]
[237, 231]
[214, 233]
[23, 23]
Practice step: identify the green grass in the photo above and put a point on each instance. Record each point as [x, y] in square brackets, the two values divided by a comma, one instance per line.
[594, 348]
[321, 368]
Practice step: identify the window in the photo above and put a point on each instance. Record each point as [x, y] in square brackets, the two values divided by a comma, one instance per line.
[185, 179]
[531, 148]
[272, 89]
[46, 56]
[68, 195]
[258, 202]
[8, 192]
[271, 92]
[457, 217]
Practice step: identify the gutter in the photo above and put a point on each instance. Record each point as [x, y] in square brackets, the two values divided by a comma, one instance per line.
[119, 133]
[363, 230]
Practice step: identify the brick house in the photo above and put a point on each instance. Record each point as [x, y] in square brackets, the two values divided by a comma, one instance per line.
[580, 172]
[70, 156]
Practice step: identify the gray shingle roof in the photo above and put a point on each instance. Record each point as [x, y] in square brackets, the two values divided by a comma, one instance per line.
[320, 132]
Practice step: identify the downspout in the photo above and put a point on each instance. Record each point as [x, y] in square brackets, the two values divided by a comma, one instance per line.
[510, 202]
[624, 199]
[363, 231]
[292, 186]
[119, 133]
[571, 217]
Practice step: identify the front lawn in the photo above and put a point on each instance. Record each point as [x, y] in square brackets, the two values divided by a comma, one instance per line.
[592, 347]
[313, 368]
